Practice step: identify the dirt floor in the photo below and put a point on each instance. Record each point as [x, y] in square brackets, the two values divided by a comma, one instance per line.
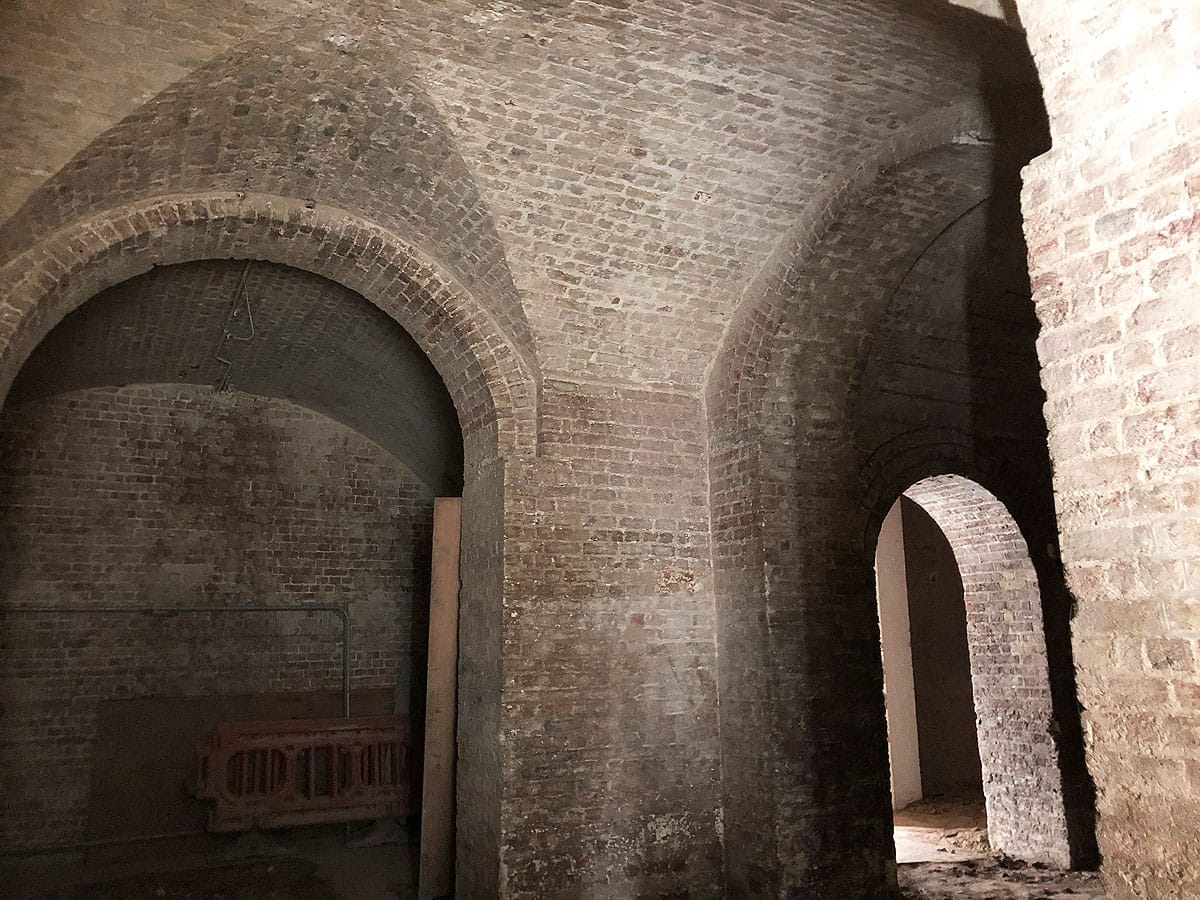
[308, 866]
[995, 879]
[942, 853]
[943, 829]
[281, 880]
[945, 857]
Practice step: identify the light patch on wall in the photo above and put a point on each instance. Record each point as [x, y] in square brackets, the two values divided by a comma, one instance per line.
[997, 9]
[675, 581]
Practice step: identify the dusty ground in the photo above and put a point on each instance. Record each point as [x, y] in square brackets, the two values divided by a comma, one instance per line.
[992, 879]
[319, 867]
[942, 830]
[943, 854]
[314, 867]
[280, 880]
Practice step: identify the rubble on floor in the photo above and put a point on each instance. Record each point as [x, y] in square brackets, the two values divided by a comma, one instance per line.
[942, 829]
[991, 878]
[943, 853]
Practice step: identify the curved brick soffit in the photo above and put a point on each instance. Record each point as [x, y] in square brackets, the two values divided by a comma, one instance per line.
[739, 394]
[494, 394]
[915, 453]
[752, 102]
[308, 341]
[295, 115]
[972, 518]
[916, 205]
[962, 505]
[744, 352]
[927, 457]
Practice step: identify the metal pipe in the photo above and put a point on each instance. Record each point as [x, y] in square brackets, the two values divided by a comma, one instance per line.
[340, 611]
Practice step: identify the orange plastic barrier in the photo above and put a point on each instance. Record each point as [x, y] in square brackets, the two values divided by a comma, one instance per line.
[305, 772]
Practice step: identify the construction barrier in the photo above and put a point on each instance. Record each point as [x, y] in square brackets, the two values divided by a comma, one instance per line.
[306, 772]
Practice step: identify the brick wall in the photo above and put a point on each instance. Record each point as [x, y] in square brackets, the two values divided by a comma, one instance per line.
[950, 383]
[611, 757]
[492, 392]
[62, 63]
[593, 191]
[1115, 261]
[563, 180]
[538, 153]
[899, 346]
[800, 662]
[949, 378]
[176, 495]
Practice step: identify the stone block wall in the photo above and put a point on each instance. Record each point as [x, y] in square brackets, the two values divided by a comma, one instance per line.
[177, 495]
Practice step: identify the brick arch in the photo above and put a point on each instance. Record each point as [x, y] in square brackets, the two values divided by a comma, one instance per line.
[309, 340]
[745, 343]
[1010, 680]
[493, 391]
[909, 457]
[794, 584]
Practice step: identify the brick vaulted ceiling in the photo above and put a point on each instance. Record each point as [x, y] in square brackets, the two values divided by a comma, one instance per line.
[608, 178]
[263, 329]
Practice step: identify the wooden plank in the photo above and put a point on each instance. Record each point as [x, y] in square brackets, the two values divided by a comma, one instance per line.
[436, 878]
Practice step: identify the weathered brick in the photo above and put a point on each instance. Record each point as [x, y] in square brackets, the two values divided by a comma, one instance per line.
[699, 297]
[177, 495]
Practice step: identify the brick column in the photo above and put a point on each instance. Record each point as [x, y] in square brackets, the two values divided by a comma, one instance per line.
[1114, 237]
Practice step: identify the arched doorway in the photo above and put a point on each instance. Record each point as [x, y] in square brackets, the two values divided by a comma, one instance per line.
[966, 680]
[927, 673]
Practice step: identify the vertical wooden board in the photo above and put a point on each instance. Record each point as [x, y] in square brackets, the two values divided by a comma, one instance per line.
[436, 877]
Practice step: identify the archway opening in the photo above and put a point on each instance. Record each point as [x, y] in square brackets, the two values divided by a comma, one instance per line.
[937, 781]
[966, 680]
[208, 438]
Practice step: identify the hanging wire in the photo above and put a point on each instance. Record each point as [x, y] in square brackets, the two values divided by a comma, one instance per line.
[240, 299]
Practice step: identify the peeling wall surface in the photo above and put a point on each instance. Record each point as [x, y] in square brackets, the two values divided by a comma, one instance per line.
[703, 287]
